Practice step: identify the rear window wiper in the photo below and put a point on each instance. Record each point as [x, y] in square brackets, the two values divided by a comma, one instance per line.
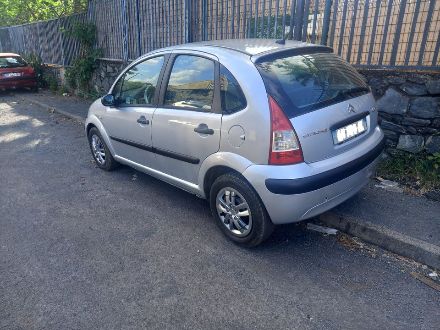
[354, 91]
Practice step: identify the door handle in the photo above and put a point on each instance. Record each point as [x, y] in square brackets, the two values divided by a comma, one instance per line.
[204, 129]
[143, 121]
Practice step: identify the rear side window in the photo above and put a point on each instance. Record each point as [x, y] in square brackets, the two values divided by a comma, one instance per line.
[191, 83]
[12, 62]
[303, 83]
[232, 96]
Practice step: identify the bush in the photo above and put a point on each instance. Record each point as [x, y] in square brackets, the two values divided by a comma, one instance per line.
[35, 61]
[79, 75]
[51, 82]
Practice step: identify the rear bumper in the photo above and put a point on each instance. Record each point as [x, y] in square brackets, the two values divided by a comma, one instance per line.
[298, 192]
[18, 82]
[320, 180]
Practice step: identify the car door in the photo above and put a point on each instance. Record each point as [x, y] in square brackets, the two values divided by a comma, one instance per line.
[128, 123]
[187, 122]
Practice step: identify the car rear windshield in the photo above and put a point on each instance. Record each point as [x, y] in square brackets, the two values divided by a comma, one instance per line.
[303, 83]
[11, 62]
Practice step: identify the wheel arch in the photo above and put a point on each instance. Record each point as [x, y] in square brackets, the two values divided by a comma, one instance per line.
[212, 174]
[218, 164]
[93, 121]
[89, 126]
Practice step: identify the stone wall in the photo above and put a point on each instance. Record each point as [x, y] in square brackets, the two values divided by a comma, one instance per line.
[106, 73]
[409, 108]
[102, 79]
[56, 71]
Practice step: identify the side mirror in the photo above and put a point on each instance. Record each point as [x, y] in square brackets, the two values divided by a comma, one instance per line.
[108, 100]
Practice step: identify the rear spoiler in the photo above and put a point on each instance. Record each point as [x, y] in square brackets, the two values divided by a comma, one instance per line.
[283, 52]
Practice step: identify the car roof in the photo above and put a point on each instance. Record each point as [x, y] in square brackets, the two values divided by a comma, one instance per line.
[8, 54]
[250, 47]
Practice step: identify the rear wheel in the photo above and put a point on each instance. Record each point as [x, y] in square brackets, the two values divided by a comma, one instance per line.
[238, 210]
[100, 151]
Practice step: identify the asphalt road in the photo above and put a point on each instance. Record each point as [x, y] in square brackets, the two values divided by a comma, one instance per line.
[81, 248]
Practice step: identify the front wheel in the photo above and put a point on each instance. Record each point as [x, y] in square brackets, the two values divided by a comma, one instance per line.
[100, 151]
[238, 210]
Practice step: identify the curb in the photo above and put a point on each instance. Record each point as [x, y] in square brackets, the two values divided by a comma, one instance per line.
[418, 250]
[51, 108]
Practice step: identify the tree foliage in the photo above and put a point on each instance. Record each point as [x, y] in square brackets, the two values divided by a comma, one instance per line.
[14, 12]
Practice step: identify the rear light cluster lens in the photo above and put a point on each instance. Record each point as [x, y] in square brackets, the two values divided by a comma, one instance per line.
[285, 148]
[284, 141]
[30, 71]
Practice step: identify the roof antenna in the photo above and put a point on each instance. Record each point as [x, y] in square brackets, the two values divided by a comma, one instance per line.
[280, 41]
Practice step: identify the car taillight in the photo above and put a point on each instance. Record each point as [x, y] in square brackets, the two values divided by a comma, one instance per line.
[285, 148]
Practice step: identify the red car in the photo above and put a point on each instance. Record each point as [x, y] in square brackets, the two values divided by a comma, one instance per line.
[16, 73]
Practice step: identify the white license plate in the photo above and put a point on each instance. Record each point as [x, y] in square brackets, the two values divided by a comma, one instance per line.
[350, 131]
[12, 74]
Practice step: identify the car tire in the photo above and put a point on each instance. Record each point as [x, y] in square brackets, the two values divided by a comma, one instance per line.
[100, 152]
[248, 231]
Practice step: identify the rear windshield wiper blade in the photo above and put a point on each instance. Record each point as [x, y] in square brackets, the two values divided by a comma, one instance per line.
[354, 91]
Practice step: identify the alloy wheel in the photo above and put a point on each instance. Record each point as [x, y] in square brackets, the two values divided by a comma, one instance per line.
[98, 149]
[234, 212]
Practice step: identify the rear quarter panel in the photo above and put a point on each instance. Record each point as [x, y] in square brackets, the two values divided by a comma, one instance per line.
[255, 118]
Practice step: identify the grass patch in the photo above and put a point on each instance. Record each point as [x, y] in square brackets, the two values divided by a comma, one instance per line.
[417, 171]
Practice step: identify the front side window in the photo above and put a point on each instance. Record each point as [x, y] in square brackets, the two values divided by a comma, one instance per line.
[307, 82]
[138, 85]
[191, 83]
[232, 96]
[12, 62]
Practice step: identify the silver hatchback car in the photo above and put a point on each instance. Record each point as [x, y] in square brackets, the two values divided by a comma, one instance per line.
[269, 132]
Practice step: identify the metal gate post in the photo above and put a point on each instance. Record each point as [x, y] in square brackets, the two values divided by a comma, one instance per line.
[138, 22]
[299, 20]
[188, 21]
[204, 20]
[326, 21]
[91, 10]
[292, 19]
[124, 30]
